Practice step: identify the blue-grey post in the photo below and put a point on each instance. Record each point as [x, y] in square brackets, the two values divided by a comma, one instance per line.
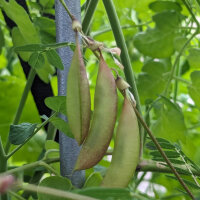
[69, 148]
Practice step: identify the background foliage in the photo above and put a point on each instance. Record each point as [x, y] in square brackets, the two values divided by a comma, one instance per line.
[155, 33]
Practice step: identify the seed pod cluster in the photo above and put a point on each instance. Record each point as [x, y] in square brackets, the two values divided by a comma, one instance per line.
[95, 136]
[103, 121]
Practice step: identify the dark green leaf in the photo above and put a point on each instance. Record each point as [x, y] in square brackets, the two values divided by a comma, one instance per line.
[194, 88]
[93, 180]
[19, 133]
[194, 58]
[191, 184]
[155, 43]
[106, 193]
[170, 123]
[164, 145]
[56, 103]
[167, 20]
[54, 59]
[170, 154]
[36, 60]
[151, 81]
[174, 161]
[159, 6]
[62, 125]
[55, 182]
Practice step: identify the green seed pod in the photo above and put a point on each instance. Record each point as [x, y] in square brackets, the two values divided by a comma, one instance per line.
[103, 120]
[126, 150]
[78, 97]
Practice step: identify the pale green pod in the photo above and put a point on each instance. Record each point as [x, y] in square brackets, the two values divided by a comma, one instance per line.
[78, 97]
[103, 120]
[126, 150]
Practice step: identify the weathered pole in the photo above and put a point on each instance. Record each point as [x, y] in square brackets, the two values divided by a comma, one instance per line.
[69, 148]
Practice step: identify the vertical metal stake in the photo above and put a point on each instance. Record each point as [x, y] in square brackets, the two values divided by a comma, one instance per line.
[69, 148]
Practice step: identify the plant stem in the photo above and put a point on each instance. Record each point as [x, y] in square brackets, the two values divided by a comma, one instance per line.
[54, 192]
[178, 72]
[119, 38]
[37, 129]
[162, 152]
[20, 108]
[30, 166]
[151, 166]
[182, 80]
[94, 34]
[16, 195]
[91, 7]
[68, 11]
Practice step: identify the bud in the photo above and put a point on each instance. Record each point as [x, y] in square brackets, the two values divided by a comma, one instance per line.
[76, 25]
[121, 83]
[5, 183]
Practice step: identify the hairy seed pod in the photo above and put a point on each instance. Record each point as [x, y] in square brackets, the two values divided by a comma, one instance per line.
[103, 120]
[126, 150]
[78, 97]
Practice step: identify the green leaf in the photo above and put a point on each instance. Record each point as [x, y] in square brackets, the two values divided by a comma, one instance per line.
[36, 60]
[93, 180]
[167, 20]
[2, 40]
[155, 43]
[54, 59]
[164, 145]
[151, 81]
[174, 161]
[194, 58]
[18, 40]
[56, 103]
[17, 14]
[170, 154]
[46, 25]
[62, 125]
[191, 184]
[179, 42]
[106, 193]
[55, 182]
[194, 88]
[159, 6]
[19, 133]
[170, 123]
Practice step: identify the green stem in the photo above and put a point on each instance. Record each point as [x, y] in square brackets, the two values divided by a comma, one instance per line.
[27, 88]
[152, 166]
[21, 145]
[16, 195]
[54, 192]
[162, 153]
[91, 7]
[48, 167]
[178, 72]
[182, 80]
[94, 34]
[68, 11]
[119, 38]
[30, 166]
